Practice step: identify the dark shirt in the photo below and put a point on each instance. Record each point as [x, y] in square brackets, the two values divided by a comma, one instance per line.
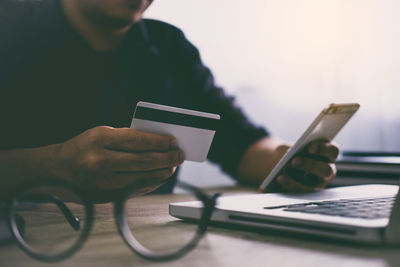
[54, 85]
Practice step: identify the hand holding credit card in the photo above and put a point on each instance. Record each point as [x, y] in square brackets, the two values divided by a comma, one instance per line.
[194, 130]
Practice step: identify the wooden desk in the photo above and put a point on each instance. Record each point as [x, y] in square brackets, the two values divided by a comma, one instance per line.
[221, 247]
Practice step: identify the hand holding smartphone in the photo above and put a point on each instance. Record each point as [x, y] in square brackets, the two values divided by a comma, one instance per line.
[325, 127]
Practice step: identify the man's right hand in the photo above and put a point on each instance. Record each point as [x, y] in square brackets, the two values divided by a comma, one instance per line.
[111, 158]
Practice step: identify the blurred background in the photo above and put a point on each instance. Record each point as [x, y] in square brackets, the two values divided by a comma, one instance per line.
[285, 60]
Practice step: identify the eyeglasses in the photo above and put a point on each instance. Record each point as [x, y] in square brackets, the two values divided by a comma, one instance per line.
[51, 221]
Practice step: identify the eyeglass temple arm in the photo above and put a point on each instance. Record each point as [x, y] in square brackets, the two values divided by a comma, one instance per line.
[43, 198]
[201, 195]
[209, 202]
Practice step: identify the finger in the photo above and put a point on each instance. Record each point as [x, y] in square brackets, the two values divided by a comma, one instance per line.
[291, 185]
[321, 169]
[137, 180]
[126, 139]
[324, 149]
[144, 161]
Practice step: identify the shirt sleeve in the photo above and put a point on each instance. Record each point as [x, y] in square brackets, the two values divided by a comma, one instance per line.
[235, 132]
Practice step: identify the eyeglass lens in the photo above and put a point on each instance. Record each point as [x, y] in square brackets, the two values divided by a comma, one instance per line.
[52, 219]
[154, 228]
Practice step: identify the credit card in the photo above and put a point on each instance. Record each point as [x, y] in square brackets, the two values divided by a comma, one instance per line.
[194, 130]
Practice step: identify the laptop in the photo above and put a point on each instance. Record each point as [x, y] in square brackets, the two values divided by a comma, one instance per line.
[362, 213]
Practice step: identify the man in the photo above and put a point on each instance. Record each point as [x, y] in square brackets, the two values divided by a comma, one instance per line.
[71, 73]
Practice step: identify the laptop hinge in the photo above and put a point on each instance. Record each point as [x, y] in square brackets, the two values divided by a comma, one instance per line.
[392, 232]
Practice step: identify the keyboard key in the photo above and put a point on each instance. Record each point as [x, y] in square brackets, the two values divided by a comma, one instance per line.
[358, 208]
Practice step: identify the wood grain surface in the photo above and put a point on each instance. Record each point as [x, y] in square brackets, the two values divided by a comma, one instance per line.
[222, 246]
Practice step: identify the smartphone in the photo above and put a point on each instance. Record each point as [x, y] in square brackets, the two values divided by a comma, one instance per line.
[325, 127]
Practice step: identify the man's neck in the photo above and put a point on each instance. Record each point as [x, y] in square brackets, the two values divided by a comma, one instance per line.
[99, 38]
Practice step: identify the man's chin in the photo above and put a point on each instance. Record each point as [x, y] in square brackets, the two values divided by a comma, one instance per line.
[116, 23]
[136, 5]
[120, 23]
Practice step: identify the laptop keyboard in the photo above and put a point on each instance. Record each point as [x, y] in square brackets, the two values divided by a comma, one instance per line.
[374, 208]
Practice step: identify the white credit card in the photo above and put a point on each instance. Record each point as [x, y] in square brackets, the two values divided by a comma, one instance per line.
[194, 130]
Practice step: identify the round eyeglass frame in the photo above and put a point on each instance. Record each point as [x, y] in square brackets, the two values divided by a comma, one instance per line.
[121, 221]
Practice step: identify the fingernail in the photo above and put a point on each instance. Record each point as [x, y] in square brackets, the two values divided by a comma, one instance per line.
[313, 149]
[281, 179]
[174, 143]
[297, 162]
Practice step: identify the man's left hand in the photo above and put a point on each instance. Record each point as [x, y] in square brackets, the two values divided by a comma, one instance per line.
[311, 169]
